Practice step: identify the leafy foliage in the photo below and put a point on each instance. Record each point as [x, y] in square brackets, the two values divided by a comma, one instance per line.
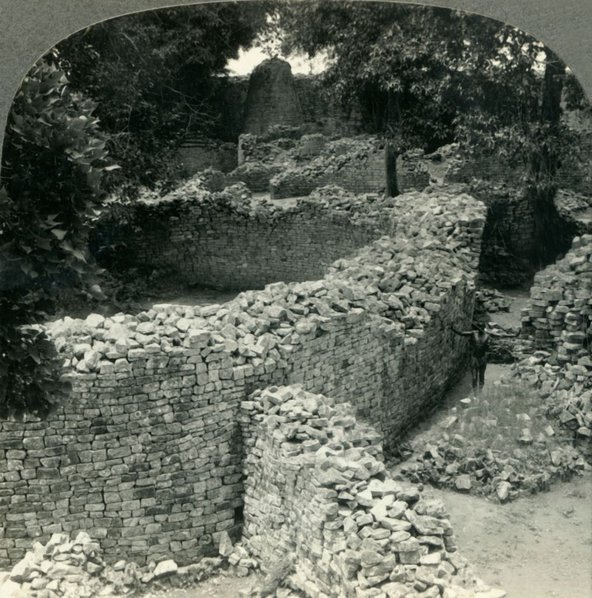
[156, 76]
[53, 161]
[428, 76]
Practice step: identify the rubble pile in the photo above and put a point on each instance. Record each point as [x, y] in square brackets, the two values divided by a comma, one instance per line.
[76, 568]
[67, 568]
[559, 315]
[575, 209]
[566, 393]
[502, 443]
[535, 427]
[356, 164]
[317, 491]
[256, 175]
[300, 163]
[491, 300]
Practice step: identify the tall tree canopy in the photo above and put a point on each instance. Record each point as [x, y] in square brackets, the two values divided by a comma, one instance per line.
[154, 76]
[427, 76]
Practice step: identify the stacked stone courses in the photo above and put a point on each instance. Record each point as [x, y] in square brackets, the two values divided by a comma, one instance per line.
[227, 241]
[317, 493]
[559, 314]
[146, 457]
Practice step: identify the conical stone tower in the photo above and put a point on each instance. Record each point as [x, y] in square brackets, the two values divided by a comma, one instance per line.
[271, 99]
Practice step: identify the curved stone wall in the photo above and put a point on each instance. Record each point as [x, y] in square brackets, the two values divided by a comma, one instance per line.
[558, 316]
[147, 455]
[225, 240]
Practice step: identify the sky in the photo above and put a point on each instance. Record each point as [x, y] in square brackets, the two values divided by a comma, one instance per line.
[249, 59]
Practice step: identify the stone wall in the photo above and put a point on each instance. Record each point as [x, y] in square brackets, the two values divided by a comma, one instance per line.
[198, 154]
[356, 164]
[559, 314]
[223, 240]
[147, 456]
[317, 494]
[575, 210]
[302, 162]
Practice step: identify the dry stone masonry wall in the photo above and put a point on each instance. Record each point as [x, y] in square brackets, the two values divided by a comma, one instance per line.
[559, 314]
[226, 241]
[356, 165]
[146, 457]
[317, 493]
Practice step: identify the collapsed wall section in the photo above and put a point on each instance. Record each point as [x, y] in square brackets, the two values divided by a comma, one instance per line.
[317, 495]
[559, 314]
[356, 165]
[146, 456]
[290, 163]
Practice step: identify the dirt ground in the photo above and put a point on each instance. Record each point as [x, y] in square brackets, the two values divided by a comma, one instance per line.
[219, 586]
[539, 547]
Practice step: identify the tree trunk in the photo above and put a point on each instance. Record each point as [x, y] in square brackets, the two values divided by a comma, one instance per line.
[390, 165]
[392, 124]
[548, 240]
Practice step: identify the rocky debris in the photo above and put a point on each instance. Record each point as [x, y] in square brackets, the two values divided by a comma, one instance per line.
[297, 166]
[566, 398]
[64, 567]
[141, 381]
[505, 343]
[256, 175]
[576, 209]
[398, 285]
[76, 569]
[213, 180]
[549, 392]
[317, 489]
[502, 444]
[491, 301]
[356, 164]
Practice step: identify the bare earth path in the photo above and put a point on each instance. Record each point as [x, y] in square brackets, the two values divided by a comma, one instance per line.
[536, 547]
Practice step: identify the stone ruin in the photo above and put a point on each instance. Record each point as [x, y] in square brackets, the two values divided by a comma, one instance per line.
[272, 98]
[283, 148]
[148, 456]
[188, 423]
[317, 493]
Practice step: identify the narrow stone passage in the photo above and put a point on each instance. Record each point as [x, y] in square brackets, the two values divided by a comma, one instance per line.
[551, 531]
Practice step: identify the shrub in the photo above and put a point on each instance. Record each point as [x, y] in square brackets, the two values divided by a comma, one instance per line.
[54, 158]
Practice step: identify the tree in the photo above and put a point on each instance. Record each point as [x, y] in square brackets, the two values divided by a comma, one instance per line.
[428, 76]
[155, 75]
[396, 60]
[54, 157]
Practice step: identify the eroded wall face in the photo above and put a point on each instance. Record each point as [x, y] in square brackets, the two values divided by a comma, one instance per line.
[558, 316]
[319, 503]
[238, 248]
[147, 456]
